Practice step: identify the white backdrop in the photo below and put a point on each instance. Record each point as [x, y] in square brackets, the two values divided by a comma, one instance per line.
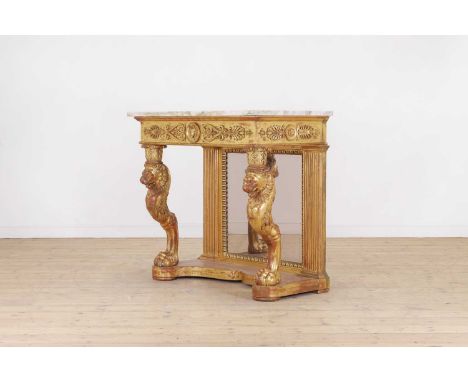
[70, 161]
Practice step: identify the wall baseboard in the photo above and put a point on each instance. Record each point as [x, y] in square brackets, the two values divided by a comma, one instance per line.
[397, 231]
[154, 230]
[196, 230]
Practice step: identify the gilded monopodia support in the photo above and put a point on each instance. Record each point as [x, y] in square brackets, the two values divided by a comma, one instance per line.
[259, 183]
[157, 179]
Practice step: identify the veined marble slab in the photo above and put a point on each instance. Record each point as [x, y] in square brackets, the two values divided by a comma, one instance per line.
[229, 113]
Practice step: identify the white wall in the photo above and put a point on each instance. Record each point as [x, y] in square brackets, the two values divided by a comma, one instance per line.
[70, 160]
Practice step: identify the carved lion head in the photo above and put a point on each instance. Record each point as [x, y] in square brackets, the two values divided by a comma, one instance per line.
[155, 177]
[255, 182]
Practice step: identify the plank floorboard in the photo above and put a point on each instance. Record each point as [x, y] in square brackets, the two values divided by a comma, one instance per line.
[99, 292]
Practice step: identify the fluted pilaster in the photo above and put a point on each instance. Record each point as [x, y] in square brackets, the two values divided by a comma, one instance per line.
[313, 211]
[212, 202]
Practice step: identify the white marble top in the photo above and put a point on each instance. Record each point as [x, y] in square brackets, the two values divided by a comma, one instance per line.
[229, 113]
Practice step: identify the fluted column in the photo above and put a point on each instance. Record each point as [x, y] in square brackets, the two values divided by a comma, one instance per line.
[212, 202]
[313, 212]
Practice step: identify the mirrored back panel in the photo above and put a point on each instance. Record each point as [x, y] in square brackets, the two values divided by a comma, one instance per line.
[240, 240]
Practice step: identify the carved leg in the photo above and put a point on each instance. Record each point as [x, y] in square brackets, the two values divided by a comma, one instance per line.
[169, 257]
[270, 275]
[259, 183]
[157, 179]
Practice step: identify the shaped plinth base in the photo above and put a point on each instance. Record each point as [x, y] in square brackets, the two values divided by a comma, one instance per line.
[291, 283]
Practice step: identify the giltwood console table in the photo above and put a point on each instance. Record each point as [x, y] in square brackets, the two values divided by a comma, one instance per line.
[260, 135]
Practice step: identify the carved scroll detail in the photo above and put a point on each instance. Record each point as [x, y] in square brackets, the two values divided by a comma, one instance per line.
[259, 183]
[157, 179]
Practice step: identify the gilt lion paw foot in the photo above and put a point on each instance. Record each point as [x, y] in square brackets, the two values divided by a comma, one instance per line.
[265, 277]
[166, 259]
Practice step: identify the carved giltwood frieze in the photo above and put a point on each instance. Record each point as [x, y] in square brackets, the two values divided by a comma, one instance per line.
[167, 132]
[289, 132]
[233, 133]
[197, 132]
[236, 132]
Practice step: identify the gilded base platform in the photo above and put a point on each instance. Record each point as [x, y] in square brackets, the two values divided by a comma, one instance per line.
[291, 282]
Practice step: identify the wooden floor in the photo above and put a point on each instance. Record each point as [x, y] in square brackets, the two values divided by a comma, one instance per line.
[99, 292]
